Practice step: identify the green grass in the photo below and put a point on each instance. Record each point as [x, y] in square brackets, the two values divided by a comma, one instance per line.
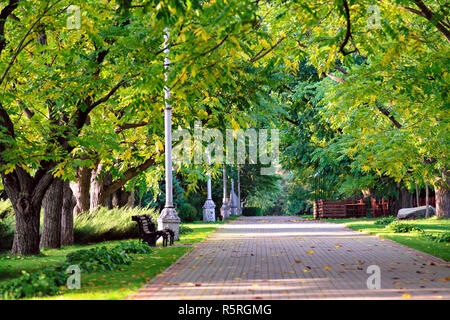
[109, 284]
[411, 239]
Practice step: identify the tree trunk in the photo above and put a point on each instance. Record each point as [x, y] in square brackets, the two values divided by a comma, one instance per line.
[51, 229]
[97, 188]
[417, 196]
[108, 179]
[80, 190]
[26, 194]
[67, 215]
[122, 198]
[404, 198]
[442, 195]
[442, 202]
[131, 199]
[26, 229]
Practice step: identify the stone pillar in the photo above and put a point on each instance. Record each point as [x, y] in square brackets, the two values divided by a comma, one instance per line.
[209, 208]
[168, 217]
[225, 209]
[233, 200]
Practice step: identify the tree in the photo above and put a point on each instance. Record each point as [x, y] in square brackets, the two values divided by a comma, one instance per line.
[386, 70]
[59, 93]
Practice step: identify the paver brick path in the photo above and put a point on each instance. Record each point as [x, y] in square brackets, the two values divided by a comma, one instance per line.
[292, 258]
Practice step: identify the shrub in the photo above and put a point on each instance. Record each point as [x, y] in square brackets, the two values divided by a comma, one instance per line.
[6, 209]
[185, 229]
[134, 246]
[6, 233]
[438, 237]
[50, 281]
[6, 225]
[252, 211]
[187, 213]
[399, 227]
[384, 221]
[101, 258]
[104, 224]
[40, 283]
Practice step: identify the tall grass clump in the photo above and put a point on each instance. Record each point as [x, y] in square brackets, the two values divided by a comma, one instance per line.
[106, 224]
[6, 225]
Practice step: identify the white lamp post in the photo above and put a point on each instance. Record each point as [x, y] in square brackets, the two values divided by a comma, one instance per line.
[233, 200]
[168, 217]
[239, 192]
[225, 209]
[209, 208]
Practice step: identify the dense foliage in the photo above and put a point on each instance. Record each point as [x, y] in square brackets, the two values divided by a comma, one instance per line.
[50, 281]
[358, 90]
[105, 224]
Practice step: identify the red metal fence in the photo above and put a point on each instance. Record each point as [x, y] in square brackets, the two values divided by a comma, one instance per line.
[352, 209]
[349, 209]
[339, 209]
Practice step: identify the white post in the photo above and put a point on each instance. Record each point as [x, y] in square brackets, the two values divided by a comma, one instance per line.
[427, 201]
[239, 192]
[233, 200]
[168, 217]
[225, 209]
[209, 208]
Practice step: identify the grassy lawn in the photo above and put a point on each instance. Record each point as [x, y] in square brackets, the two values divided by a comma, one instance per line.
[411, 239]
[116, 284]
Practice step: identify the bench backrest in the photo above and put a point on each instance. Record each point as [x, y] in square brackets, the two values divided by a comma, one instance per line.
[145, 225]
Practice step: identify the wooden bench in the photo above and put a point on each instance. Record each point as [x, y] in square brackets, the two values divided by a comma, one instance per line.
[170, 233]
[148, 232]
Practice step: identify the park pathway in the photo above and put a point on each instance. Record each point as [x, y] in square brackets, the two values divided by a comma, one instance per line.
[291, 258]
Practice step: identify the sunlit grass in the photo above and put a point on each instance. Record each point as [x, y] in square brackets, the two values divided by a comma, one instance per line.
[411, 239]
[116, 284]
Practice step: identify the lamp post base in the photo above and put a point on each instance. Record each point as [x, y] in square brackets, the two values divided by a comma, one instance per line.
[225, 211]
[209, 211]
[169, 219]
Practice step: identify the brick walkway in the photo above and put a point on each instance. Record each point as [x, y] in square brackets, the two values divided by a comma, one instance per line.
[291, 258]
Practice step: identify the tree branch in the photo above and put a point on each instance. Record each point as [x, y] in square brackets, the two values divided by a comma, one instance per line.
[4, 14]
[348, 33]
[80, 116]
[389, 116]
[128, 175]
[22, 43]
[126, 126]
[261, 55]
[426, 13]
[337, 79]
